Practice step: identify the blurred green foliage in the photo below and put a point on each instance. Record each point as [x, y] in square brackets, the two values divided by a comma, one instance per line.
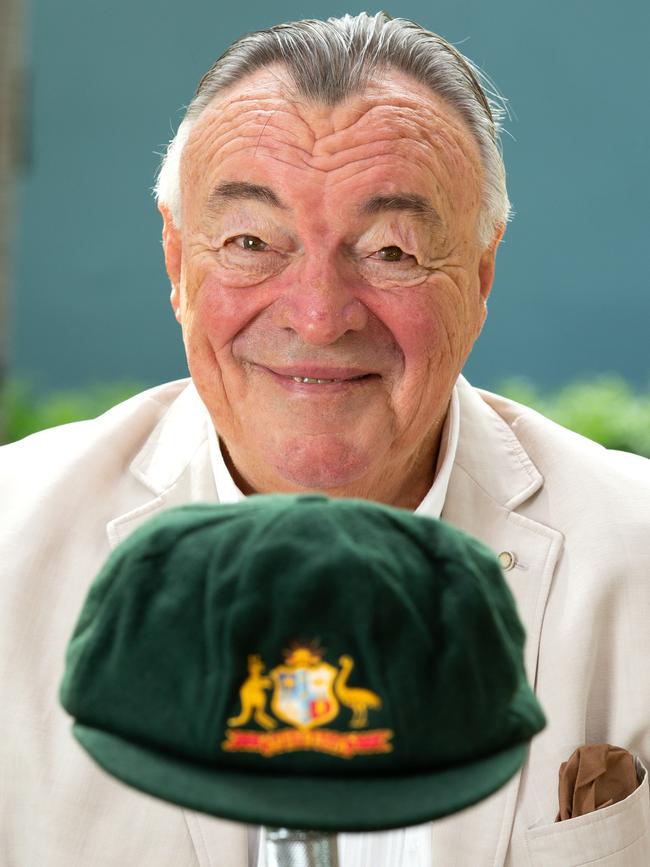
[605, 409]
[25, 411]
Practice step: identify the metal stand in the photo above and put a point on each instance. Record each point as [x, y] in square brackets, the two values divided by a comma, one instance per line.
[284, 848]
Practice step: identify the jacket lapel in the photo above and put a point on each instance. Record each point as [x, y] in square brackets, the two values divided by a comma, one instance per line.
[492, 477]
[173, 466]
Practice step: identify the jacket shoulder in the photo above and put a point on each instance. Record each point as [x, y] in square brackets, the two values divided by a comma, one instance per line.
[581, 477]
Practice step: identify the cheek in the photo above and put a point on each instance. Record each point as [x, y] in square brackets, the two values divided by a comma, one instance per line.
[219, 312]
[421, 320]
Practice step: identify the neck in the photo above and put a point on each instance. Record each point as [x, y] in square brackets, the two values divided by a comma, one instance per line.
[403, 484]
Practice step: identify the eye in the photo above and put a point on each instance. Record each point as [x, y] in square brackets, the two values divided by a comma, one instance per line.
[392, 254]
[249, 242]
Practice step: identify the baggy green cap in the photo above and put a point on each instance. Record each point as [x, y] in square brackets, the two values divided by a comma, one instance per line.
[302, 661]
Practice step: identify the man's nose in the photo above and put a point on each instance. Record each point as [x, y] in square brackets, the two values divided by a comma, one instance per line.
[321, 304]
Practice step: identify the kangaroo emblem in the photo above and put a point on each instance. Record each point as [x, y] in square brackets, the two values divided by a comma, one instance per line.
[253, 697]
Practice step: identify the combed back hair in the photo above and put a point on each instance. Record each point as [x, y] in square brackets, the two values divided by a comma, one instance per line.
[330, 61]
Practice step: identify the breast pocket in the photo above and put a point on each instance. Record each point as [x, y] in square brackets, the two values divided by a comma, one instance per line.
[616, 836]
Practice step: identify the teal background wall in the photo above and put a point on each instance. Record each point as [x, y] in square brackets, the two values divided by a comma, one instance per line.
[108, 79]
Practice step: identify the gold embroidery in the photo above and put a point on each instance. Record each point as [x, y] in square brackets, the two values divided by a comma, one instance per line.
[253, 697]
[307, 694]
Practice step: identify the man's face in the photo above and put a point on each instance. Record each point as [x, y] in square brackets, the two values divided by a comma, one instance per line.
[329, 282]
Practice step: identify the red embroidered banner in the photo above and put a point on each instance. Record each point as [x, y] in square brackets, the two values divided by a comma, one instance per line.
[342, 744]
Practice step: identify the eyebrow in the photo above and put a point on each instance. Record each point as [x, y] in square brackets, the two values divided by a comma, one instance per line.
[411, 203]
[234, 191]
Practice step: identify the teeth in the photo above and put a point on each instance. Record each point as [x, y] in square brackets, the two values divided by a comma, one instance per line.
[311, 380]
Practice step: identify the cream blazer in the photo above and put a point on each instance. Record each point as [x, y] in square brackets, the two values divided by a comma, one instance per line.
[570, 518]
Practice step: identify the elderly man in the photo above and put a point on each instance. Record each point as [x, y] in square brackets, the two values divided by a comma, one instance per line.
[332, 206]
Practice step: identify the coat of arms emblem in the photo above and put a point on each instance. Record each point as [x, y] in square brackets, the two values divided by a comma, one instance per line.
[307, 694]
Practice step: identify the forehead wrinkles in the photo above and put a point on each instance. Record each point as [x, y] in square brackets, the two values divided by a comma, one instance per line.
[397, 121]
[438, 145]
[359, 136]
[244, 122]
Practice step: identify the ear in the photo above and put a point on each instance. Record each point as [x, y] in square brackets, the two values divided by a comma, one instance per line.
[172, 248]
[487, 262]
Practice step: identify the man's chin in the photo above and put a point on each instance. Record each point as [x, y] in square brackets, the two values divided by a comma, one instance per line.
[323, 463]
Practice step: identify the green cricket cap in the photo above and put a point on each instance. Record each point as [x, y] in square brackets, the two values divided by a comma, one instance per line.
[299, 661]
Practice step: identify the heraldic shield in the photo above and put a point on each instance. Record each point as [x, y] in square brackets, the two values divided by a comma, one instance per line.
[303, 692]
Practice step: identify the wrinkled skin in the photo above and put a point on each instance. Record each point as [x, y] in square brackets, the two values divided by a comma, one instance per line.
[387, 303]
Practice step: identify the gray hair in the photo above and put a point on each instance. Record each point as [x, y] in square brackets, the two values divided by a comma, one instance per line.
[329, 61]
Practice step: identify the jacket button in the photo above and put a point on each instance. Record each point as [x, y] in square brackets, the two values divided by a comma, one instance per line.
[508, 560]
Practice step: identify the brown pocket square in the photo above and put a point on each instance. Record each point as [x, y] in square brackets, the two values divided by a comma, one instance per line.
[595, 776]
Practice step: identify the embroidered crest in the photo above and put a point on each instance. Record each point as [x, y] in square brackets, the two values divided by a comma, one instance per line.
[303, 693]
[307, 694]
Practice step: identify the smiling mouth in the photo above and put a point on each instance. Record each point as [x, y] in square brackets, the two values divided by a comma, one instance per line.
[327, 379]
[312, 381]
